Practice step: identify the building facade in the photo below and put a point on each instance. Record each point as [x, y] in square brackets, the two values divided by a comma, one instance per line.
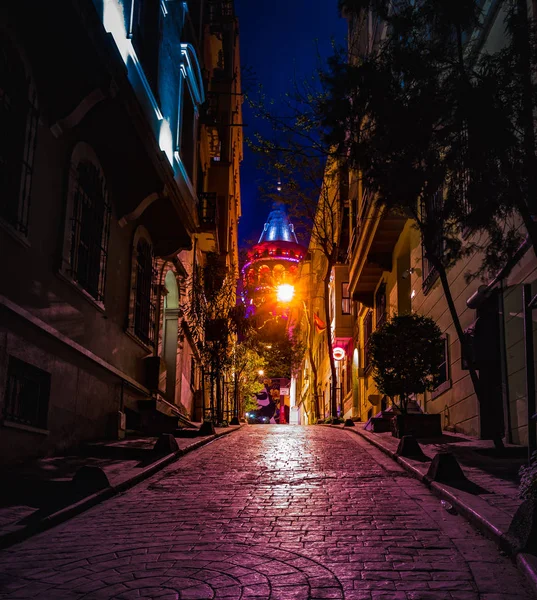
[109, 198]
[388, 274]
[381, 271]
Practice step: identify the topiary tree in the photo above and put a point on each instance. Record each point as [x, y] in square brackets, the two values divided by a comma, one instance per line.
[406, 354]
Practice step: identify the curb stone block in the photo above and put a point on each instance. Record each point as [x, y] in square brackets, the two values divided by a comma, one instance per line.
[445, 468]
[89, 479]
[409, 446]
[166, 444]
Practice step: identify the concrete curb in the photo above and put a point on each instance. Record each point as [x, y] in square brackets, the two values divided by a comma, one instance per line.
[527, 563]
[14, 537]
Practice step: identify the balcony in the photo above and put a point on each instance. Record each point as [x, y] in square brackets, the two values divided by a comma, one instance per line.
[372, 253]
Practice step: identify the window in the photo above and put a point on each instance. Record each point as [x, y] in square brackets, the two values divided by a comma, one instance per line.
[146, 34]
[380, 304]
[90, 228]
[368, 330]
[27, 394]
[18, 124]
[144, 306]
[345, 299]
[433, 210]
[189, 126]
[442, 382]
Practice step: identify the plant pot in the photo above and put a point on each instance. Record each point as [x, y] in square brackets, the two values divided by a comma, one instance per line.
[419, 425]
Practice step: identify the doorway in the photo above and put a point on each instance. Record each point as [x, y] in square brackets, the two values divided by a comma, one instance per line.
[488, 355]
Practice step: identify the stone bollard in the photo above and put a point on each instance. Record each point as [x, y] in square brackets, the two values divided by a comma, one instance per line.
[207, 428]
[409, 448]
[166, 444]
[88, 480]
[234, 421]
[349, 423]
[445, 468]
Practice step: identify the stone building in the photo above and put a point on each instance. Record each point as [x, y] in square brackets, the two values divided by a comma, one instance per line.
[389, 274]
[273, 261]
[112, 187]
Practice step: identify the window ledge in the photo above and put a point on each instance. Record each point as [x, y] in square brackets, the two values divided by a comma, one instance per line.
[16, 235]
[130, 333]
[29, 428]
[443, 387]
[89, 298]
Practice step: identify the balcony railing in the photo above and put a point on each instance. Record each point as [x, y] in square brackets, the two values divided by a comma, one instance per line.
[220, 11]
[208, 210]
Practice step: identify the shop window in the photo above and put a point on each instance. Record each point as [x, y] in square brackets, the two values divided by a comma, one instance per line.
[18, 124]
[144, 306]
[27, 394]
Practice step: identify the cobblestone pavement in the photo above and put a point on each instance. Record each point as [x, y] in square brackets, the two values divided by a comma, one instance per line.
[272, 512]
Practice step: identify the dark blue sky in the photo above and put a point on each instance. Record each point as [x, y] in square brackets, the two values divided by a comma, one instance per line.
[278, 40]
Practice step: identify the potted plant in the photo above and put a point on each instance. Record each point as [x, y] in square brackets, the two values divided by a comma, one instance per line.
[406, 354]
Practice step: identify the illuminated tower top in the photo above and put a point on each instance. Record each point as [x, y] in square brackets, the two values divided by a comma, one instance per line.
[278, 228]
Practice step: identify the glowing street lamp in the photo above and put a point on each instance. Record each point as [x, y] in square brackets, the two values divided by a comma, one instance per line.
[261, 372]
[285, 292]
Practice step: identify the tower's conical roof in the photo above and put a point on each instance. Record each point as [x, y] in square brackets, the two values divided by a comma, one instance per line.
[278, 227]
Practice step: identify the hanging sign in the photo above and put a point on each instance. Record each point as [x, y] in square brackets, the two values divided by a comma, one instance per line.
[338, 353]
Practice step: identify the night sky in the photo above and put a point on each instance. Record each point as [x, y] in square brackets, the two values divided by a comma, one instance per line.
[278, 41]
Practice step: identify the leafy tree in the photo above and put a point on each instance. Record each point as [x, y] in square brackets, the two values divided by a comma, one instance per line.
[439, 132]
[216, 320]
[282, 353]
[406, 354]
[247, 361]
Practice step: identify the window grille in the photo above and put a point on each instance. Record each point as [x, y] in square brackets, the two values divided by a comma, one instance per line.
[90, 230]
[345, 299]
[144, 305]
[368, 330]
[27, 394]
[18, 124]
[380, 304]
[208, 209]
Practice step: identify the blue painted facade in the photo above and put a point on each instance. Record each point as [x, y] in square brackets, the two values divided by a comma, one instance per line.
[166, 76]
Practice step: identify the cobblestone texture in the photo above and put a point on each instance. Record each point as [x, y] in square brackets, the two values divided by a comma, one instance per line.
[272, 512]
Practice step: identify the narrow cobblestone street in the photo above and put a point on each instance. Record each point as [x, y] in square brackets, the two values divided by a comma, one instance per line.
[270, 512]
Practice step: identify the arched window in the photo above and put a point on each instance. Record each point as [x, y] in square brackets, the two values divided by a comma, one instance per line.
[90, 227]
[18, 126]
[144, 305]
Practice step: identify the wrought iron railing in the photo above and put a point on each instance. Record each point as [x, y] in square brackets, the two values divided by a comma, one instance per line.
[208, 210]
